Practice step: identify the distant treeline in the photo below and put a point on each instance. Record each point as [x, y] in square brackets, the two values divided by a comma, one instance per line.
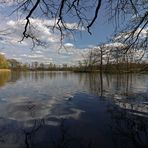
[115, 68]
[113, 59]
[83, 66]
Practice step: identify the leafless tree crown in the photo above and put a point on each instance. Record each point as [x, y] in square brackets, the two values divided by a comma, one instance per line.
[84, 14]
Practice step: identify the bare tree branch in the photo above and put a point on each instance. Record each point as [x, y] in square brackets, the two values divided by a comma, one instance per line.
[95, 17]
[27, 18]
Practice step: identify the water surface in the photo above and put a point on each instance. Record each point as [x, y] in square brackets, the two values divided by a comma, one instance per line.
[72, 110]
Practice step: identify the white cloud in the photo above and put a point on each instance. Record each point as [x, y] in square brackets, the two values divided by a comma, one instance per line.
[2, 53]
[143, 33]
[116, 44]
[24, 55]
[38, 52]
[17, 58]
[35, 56]
[41, 28]
[69, 45]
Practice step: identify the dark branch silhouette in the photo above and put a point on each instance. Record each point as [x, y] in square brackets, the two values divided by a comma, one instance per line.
[78, 11]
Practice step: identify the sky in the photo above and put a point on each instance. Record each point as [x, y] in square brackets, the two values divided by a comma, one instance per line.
[10, 46]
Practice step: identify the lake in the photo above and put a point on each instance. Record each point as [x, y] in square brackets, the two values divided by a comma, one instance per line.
[73, 110]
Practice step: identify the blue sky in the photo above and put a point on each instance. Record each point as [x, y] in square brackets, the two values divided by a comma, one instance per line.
[101, 30]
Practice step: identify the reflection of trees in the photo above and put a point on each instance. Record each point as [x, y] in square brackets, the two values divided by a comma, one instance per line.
[41, 75]
[37, 125]
[9, 77]
[106, 84]
[15, 75]
[68, 140]
[129, 128]
[55, 137]
[130, 116]
[93, 82]
[49, 130]
[4, 77]
[36, 131]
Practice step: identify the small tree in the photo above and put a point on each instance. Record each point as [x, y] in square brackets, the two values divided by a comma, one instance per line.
[3, 62]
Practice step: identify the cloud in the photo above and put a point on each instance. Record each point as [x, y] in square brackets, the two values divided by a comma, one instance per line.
[24, 55]
[142, 33]
[17, 58]
[41, 28]
[12, 29]
[69, 45]
[38, 52]
[2, 53]
[115, 44]
[36, 56]
[38, 29]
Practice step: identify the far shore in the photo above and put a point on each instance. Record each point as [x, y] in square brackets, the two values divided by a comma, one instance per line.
[77, 71]
[5, 70]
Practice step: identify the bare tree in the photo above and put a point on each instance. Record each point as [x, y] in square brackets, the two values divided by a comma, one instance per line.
[61, 12]
[134, 12]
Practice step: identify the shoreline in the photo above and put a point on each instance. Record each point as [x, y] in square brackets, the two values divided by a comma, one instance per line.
[5, 70]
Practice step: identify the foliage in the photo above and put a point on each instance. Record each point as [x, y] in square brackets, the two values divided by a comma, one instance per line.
[3, 62]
